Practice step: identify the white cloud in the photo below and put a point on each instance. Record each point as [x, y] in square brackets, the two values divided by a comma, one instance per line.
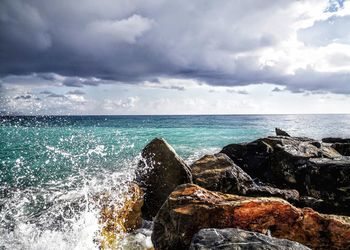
[123, 104]
[173, 83]
[125, 30]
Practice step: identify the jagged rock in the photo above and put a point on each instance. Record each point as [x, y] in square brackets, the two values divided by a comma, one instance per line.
[339, 144]
[120, 218]
[342, 148]
[252, 157]
[190, 208]
[336, 140]
[219, 173]
[329, 180]
[234, 238]
[287, 162]
[280, 132]
[159, 172]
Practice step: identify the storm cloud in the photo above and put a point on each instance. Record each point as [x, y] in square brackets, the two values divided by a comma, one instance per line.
[226, 43]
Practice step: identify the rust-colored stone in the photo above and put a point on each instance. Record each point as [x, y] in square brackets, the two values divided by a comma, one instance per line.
[116, 220]
[190, 208]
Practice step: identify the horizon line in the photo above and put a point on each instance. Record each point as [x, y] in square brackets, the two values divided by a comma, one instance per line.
[243, 114]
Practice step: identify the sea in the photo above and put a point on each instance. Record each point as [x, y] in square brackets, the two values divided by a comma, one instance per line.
[53, 167]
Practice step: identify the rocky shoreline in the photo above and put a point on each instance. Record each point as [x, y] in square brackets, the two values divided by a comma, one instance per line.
[278, 192]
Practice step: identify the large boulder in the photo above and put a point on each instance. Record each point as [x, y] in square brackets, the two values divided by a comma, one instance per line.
[329, 181]
[252, 157]
[190, 208]
[275, 158]
[289, 163]
[158, 173]
[219, 173]
[238, 239]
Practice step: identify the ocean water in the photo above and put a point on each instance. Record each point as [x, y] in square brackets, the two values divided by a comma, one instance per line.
[51, 168]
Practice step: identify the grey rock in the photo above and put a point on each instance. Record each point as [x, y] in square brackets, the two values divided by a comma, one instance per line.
[342, 148]
[336, 140]
[280, 132]
[314, 169]
[159, 172]
[237, 239]
[219, 173]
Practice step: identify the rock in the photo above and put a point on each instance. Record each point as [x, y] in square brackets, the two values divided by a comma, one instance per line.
[139, 239]
[329, 180]
[219, 173]
[287, 162]
[159, 172]
[190, 208]
[342, 148]
[289, 156]
[280, 132]
[120, 218]
[234, 238]
[339, 144]
[252, 157]
[336, 140]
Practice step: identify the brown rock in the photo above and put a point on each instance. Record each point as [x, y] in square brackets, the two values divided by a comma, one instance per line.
[120, 218]
[159, 172]
[219, 173]
[190, 208]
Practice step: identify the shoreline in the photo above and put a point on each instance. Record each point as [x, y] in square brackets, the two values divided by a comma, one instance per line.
[259, 173]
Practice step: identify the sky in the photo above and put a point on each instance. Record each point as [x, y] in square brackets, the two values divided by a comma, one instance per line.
[88, 57]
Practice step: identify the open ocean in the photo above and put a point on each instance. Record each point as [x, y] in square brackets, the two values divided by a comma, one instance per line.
[51, 167]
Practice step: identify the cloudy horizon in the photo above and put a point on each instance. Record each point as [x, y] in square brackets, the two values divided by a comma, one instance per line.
[165, 57]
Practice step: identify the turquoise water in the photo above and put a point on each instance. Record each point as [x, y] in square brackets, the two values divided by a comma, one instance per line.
[50, 167]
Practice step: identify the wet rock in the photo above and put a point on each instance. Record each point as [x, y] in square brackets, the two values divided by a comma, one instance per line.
[287, 163]
[280, 132]
[139, 239]
[342, 148]
[190, 208]
[291, 155]
[120, 218]
[342, 145]
[336, 140]
[329, 180]
[234, 238]
[219, 173]
[159, 172]
[252, 157]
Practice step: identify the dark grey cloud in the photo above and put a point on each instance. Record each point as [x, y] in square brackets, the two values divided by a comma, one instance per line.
[53, 95]
[23, 97]
[80, 82]
[45, 92]
[76, 92]
[241, 92]
[98, 42]
[50, 94]
[276, 89]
